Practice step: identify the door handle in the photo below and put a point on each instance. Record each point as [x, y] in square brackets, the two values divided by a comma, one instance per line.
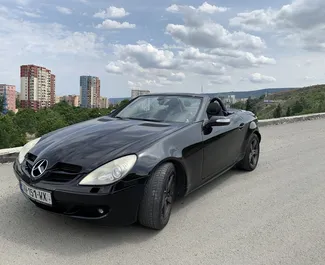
[241, 126]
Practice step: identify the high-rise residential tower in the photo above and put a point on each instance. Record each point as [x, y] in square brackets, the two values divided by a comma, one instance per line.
[37, 87]
[90, 92]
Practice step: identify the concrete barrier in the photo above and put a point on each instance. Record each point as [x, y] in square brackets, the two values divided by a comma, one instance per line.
[9, 155]
[291, 119]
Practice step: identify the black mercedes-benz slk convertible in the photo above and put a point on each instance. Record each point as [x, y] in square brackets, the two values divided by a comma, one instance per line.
[133, 164]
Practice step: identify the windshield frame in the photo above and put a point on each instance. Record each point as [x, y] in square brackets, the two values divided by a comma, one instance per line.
[115, 113]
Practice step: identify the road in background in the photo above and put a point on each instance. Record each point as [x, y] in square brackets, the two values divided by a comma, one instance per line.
[274, 215]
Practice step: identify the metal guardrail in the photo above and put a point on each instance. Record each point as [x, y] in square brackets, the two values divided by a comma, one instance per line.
[9, 155]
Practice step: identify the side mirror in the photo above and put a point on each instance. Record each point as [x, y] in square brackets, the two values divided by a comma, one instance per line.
[218, 121]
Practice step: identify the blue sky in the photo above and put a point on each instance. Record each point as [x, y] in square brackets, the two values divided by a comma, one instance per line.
[165, 45]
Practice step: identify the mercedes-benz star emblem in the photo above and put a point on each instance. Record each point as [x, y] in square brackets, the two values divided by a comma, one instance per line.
[39, 168]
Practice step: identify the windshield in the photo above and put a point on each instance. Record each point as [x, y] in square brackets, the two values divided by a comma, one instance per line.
[162, 109]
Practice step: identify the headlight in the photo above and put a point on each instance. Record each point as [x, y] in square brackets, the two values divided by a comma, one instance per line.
[110, 172]
[26, 148]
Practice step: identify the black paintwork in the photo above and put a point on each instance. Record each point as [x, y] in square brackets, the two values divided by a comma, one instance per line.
[200, 153]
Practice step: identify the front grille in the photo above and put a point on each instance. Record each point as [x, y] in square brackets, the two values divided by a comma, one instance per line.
[67, 168]
[59, 177]
[59, 173]
[63, 173]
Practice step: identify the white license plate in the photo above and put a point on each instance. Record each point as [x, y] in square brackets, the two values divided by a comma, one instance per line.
[36, 194]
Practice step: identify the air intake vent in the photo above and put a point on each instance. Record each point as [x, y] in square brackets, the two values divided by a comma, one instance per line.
[154, 125]
[31, 157]
[105, 119]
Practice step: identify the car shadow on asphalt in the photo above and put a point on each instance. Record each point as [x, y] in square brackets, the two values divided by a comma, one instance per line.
[24, 224]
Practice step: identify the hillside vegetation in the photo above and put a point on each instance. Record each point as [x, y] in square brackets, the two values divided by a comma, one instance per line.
[15, 128]
[299, 101]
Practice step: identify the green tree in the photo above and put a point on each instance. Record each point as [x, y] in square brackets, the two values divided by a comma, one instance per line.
[249, 104]
[18, 105]
[277, 112]
[238, 105]
[297, 107]
[48, 121]
[26, 119]
[288, 112]
[123, 103]
[11, 135]
[1, 104]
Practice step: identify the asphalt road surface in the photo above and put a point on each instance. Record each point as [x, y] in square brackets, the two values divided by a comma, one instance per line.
[274, 215]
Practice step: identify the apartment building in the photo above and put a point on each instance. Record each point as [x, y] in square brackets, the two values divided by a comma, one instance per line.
[72, 100]
[104, 102]
[37, 87]
[137, 92]
[90, 92]
[9, 92]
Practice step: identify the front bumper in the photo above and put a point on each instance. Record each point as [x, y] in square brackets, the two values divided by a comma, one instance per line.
[109, 204]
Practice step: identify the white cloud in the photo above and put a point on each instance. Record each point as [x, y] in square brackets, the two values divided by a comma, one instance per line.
[221, 80]
[259, 78]
[112, 12]
[147, 56]
[112, 24]
[205, 49]
[64, 10]
[195, 54]
[173, 8]
[309, 78]
[23, 2]
[177, 77]
[210, 9]
[233, 58]
[4, 10]
[213, 35]
[256, 20]
[204, 8]
[299, 24]
[31, 14]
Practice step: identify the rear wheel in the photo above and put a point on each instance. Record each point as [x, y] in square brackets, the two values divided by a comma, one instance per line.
[159, 194]
[251, 158]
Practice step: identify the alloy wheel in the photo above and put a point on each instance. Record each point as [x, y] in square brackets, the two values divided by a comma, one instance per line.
[168, 197]
[254, 153]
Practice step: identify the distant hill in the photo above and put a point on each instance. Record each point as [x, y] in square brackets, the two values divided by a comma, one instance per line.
[252, 93]
[299, 101]
[238, 94]
[117, 100]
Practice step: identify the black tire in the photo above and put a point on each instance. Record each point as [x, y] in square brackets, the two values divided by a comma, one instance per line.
[159, 195]
[252, 154]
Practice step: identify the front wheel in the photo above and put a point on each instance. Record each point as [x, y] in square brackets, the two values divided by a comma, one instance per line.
[159, 194]
[251, 158]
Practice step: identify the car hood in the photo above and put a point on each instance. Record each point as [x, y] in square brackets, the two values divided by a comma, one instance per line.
[92, 143]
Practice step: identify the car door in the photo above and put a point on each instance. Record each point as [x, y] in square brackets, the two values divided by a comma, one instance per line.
[221, 147]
